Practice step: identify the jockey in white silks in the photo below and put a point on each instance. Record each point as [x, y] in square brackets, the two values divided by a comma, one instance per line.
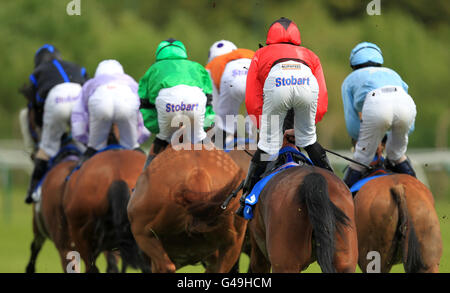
[110, 97]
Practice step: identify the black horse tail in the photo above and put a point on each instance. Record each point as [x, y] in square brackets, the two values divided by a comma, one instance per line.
[412, 256]
[324, 217]
[118, 197]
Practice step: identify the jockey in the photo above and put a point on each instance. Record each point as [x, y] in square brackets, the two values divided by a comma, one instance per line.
[283, 76]
[375, 101]
[55, 85]
[174, 86]
[228, 67]
[110, 97]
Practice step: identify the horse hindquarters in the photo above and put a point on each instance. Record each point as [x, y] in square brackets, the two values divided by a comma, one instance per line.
[118, 197]
[414, 255]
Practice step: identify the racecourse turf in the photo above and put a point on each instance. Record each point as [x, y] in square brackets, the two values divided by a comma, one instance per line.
[16, 236]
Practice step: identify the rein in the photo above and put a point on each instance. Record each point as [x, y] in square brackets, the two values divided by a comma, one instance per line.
[350, 160]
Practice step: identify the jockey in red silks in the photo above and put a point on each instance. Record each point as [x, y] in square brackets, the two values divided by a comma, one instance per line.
[285, 90]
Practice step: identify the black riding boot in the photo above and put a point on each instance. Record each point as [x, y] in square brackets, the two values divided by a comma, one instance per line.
[255, 170]
[90, 151]
[404, 167]
[351, 176]
[158, 146]
[318, 156]
[40, 167]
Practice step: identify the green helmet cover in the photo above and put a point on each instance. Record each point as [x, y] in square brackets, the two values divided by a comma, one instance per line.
[171, 49]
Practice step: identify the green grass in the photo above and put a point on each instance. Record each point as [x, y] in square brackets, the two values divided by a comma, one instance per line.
[16, 236]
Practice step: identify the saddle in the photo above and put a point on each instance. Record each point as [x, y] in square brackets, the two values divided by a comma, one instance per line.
[379, 170]
[69, 151]
[286, 158]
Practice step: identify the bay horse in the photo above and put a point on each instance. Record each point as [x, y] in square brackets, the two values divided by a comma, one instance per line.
[95, 202]
[175, 211]
[49, 220]
[304, 214]
[48, 216]
[395, 217]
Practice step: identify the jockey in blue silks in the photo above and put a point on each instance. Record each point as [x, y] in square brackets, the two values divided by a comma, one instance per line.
[376, 102]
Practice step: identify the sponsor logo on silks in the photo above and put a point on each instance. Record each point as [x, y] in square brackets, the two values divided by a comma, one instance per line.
[291, 66]
[291, 81]
[69, 99]
[239, 72]
[181, 107]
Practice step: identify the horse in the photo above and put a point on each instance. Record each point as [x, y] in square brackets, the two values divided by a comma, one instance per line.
[49, 221]
[95, 202]
[395, 217]
[48, 217]
[304, 213]
[175, 211]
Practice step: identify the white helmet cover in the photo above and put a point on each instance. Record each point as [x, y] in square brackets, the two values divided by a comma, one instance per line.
[220, 48]
[109, 67]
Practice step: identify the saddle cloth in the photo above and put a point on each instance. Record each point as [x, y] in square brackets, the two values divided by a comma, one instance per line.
[289, 154]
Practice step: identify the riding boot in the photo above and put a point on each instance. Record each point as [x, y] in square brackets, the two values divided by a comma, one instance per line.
[351, 176]
[158, 146]
[318, 156]
[40, 167]
[255, 170]
[90, 151]
[404, 167]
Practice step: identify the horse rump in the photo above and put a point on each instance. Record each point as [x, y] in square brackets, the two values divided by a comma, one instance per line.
[206, 210]
[324, 216]
[411, 253]
[117, 218]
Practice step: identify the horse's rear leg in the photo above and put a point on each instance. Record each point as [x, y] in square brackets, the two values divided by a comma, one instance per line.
[346, 254]
[225, 259]
[258, 261]
[111, 262]
[153, 248]
[36, 247]
[83, 245]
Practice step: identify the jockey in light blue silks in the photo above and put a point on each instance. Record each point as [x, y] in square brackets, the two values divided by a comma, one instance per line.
[376, 102]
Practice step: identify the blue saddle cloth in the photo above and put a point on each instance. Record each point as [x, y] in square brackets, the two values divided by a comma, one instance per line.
[359, 184]
[108, 148]
[252, 198]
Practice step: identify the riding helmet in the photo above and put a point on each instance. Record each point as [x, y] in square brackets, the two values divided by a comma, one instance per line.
[220, 48]
[366, 53]
[45, 54]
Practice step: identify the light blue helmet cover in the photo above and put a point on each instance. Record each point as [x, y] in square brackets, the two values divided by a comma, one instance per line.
[366, 52]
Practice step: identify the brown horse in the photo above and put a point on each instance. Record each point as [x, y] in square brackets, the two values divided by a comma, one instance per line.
[49, 221]
[175, 212]
[395, 217]
[95, 202]
[48, 216]
[304, 214]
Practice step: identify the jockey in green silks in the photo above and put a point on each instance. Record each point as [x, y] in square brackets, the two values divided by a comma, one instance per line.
[171, 87]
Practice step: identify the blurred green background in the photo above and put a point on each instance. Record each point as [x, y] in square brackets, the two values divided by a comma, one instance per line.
[414, 37]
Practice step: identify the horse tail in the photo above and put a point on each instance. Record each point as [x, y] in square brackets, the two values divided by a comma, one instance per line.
[117, 216]
[412, 256]
[324, 217]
